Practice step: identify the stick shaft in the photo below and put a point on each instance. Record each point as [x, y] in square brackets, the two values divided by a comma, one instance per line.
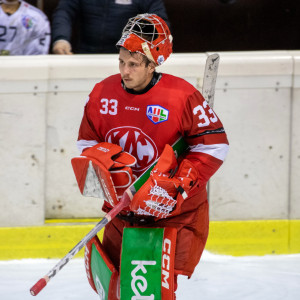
[43, 281]
[208, 90]
[210, 78]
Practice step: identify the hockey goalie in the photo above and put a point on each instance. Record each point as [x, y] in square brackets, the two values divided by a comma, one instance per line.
[131, 120]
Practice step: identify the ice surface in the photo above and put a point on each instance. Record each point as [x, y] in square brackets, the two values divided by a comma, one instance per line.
[216, 277]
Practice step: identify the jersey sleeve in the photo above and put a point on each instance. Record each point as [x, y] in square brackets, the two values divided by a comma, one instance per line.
[87, 136]
[63, 18]
[39, 41]
[205, 134]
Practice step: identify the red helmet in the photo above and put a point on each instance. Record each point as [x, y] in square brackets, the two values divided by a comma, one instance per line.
[148, 34]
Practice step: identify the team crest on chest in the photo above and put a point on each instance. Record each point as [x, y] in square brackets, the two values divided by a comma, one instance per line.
[28, 21]
[157, 113]
[137, 143]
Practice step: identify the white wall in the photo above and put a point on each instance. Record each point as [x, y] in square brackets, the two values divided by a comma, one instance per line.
[253, 100]
[41, 105]
[294, 204]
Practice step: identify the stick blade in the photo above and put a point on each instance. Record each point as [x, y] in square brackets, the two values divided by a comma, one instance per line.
[38, 287]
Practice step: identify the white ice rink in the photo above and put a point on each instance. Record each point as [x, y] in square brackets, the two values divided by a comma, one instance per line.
[215, 278]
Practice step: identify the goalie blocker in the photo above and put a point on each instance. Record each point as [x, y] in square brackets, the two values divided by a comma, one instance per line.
[147, 266]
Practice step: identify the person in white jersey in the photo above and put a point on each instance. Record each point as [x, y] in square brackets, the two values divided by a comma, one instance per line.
[24, 29]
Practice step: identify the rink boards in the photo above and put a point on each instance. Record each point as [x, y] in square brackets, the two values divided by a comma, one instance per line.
[238, 238]
[255, 192]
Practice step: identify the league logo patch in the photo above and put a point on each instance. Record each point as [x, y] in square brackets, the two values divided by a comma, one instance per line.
[157, 113]
[27, 22]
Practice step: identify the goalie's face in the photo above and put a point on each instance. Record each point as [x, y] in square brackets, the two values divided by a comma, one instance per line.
[135, 73]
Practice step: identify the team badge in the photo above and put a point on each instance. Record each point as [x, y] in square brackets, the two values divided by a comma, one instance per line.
[157, 113]
[137, 143]
[27, 22]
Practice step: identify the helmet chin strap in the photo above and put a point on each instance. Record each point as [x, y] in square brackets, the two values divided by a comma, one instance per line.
[10, 2]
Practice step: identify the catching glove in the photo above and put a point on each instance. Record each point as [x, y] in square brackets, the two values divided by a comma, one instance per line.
[167, 187]
[104, 171]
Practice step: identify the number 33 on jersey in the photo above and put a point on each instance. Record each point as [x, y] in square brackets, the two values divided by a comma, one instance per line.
[109, 106]
[143, 124]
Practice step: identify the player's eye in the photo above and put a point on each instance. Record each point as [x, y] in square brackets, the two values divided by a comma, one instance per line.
[133, 65]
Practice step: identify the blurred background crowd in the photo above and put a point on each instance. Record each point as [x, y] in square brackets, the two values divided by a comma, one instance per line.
[93, 26]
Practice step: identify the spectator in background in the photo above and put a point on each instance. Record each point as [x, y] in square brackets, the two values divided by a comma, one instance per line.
[100, 23]
[24, 29]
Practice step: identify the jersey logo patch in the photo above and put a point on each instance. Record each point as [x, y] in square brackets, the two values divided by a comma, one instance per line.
[137, 143]
[157, 113]
[27, 22]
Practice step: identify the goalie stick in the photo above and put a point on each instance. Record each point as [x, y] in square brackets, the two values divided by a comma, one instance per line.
[208, 91]
[210, 78]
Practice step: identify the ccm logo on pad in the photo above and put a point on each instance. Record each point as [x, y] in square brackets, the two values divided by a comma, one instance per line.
[166, 263]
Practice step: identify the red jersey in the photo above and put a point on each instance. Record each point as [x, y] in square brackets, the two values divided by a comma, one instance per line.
[143, 124]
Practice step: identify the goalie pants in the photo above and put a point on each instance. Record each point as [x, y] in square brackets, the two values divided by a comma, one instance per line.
[192, 230]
